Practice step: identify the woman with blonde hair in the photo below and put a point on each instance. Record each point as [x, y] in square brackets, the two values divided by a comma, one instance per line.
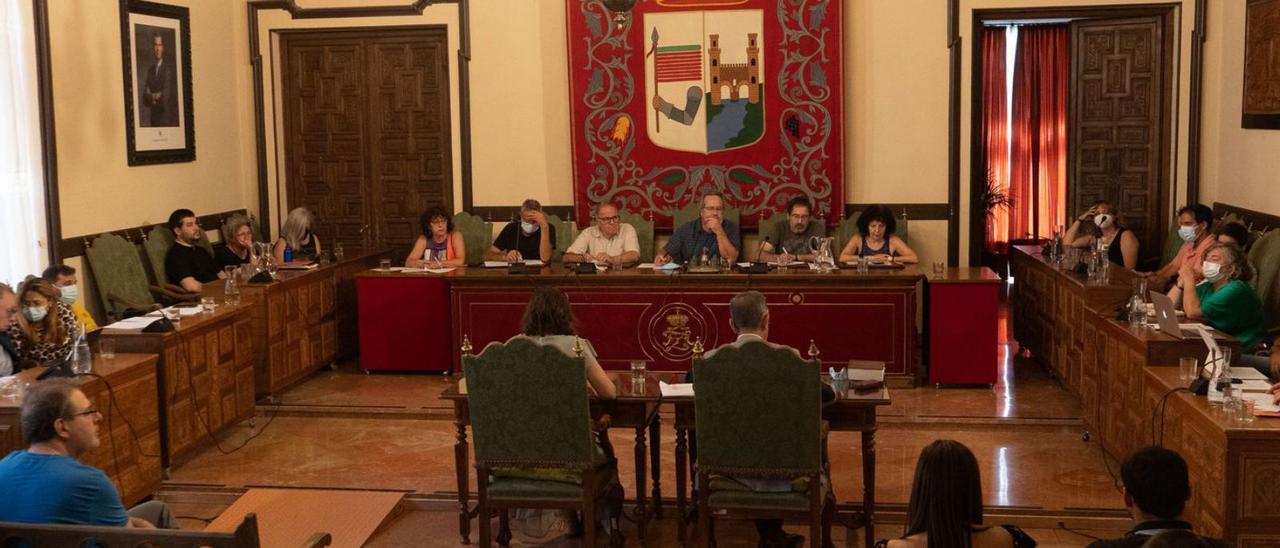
[46, 328]
[237, 243]
[297, 243]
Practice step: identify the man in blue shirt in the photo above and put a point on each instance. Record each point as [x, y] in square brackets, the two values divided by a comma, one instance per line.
[709, 231]
[47, 484]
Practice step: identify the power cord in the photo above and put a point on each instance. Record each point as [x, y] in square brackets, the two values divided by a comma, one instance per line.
[183, 343]
[1161, 407]
[1063, 525]
[112, 405]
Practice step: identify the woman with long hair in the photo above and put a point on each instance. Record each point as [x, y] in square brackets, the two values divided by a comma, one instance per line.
[296, 237]
[46, 328]
[548, 320]
[237, 243]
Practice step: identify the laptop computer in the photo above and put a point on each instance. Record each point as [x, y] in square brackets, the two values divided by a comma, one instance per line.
[1167, 318]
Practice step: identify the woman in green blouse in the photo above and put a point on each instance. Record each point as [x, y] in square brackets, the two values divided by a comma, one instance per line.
[1221, 297]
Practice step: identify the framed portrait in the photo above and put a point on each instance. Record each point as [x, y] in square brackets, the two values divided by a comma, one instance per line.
[1261, 103]
[156, 47]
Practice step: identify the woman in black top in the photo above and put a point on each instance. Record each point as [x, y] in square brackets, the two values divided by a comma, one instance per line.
[237, 243]
[296, 236]
[1100, 222]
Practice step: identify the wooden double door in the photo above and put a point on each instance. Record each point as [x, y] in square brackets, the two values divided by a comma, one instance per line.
[367, 131]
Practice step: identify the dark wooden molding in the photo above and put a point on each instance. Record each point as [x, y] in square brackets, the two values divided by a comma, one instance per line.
[75, 246]
[914, 212]
[48, 130]
[1256, 221]
[503, 214]
[298, 12]
[1195, 103]
[955, 47]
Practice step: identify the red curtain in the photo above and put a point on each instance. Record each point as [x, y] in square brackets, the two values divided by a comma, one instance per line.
[1038, 158]
[995, 128]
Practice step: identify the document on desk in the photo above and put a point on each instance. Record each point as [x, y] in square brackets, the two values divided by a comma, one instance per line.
[182, 311]
[136, 322]
[1247, 374]
[1263, 404]
[666, 266]
[496, 264]
[438, 270]
[676, 390]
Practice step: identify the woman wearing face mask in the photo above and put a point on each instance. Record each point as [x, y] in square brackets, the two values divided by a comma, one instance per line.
[1219, 295]
[1100, 223]
[46, 327]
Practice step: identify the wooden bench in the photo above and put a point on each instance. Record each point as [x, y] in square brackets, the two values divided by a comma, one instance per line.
[38, 535]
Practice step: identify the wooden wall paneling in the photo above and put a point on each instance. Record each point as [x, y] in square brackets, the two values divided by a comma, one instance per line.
[134, 466]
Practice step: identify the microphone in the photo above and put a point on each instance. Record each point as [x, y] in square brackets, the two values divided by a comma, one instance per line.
[758, 267]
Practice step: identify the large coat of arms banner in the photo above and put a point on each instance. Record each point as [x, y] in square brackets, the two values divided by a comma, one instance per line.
[682, 97]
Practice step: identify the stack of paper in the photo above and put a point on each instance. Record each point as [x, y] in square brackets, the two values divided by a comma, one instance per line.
[676, 390]
[137, 322]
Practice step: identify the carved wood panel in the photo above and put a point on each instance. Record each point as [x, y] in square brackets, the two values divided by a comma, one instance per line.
[1120, 131]
[369, 140]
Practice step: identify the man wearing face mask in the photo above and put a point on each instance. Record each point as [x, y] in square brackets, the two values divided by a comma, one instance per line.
[1100, 223]
[530, 239]
[1194, 222]
[63, 277]
[8, 317]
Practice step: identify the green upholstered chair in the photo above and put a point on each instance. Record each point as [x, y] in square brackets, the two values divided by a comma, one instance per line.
[848, 226]
[692, 211]
[1172, 243]
[566, 232]
[767, 226]
[644, 233]
[118, 272]
[758, 415]
[157, 244]
[477, 235]
[535, 443]
[1265, 258]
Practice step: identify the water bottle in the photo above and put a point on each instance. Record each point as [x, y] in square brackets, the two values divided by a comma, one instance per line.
[1137, 313]
[288, 254]
[81, 356]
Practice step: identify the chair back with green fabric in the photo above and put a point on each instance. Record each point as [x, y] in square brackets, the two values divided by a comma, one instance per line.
[566, 232]
[1265, 258]
[849, 226]
[528, 406]
[694, 209]
[1172, 243]
[157, 243]
[644, 233]
[758, 412]
[766, 227]
[477, 235]
[119, 275]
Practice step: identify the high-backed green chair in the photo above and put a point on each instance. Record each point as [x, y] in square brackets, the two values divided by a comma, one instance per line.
[477, 235]
[693, 210]
[566, 232]
[767, 226]
[117, 271]
[758, 415]
[1265, 258]
[535, 443]
[849, 226]
[644, 233]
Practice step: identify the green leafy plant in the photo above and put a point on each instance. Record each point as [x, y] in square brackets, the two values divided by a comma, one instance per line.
[993, 197]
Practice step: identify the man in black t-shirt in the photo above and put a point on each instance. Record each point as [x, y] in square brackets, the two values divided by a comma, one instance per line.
[186, 264]
[531, 238]
[1156, 490]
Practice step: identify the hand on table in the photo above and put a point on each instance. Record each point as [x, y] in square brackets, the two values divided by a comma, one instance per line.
[513, 256]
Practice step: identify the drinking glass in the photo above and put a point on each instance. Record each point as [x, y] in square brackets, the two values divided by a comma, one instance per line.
[171, 314]
[1247, 407]
[637, 370]
[938, 268]
[206, 305]
[338, 252]
[384, 265]
[1187, 369]
[232, 272]
[107, 348]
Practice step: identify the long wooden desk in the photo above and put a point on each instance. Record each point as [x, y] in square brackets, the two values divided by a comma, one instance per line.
[132, 464]
[205, 374]
[636, 407]
[301, 322]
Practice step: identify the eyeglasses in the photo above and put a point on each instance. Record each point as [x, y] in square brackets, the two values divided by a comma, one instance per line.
[713, 208]
[608, 220]
[89, 411]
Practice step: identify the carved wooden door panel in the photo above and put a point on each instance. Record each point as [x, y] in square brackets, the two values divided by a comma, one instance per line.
[1120, 127]
[367, 131]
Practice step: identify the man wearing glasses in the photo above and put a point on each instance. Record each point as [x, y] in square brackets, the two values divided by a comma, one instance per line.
[609, 241]
[790, 240]
[46, 483]
[710, 232]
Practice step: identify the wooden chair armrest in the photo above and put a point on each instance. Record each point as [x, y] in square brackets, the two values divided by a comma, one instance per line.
[318, 540]
[113, 298]
[175, 293]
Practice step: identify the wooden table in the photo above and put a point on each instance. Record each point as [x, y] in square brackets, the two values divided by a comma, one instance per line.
[303, 321]
[124, 390]
[1234, 469]
[848, 413]
[636, 407]
[205, 375]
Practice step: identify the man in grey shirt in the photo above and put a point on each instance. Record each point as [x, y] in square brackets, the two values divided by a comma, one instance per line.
[790, 240]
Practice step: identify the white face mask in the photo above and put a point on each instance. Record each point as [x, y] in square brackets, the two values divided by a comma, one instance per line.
[70, 294]
[1104, 220]
[1212, 271]
[1187, 233]
[528, 228]
[35, 313]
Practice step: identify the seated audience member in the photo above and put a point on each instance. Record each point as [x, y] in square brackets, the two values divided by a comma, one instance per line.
[439, 245]
[46, 483]
[945, 508]
[1156, 490]
[710, 232]
[237, 243]
[1178, 538]
[530, 239]
[9, 362]
[1232, 233]
[1101, 222]
[297, 242]
[548, 320]
[609, 241]
[186, 264]
[790, 239]
[875, 239]
[1218, 293]
[1194, 222]
[64, 278]
[47, 329]
[749, 319]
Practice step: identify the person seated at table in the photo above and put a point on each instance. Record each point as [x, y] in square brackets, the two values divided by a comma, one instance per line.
[609, 241]
[1220, 296]
[439, 245]
[1232, 233]
[46, 328]
[1194, 224]
[9, 362]
[1156, 491]
[187, 265]
[749, 319]
[64, 278]
[1100, 222]
[47, 483]
[875, 239]
[236, 248]
[548, 320]
[790, 239]
[710, 232]
[297, 242]
[530, 239]
[945, 508]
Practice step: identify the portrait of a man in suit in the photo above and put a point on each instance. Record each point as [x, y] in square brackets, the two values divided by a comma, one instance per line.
[158, 82]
